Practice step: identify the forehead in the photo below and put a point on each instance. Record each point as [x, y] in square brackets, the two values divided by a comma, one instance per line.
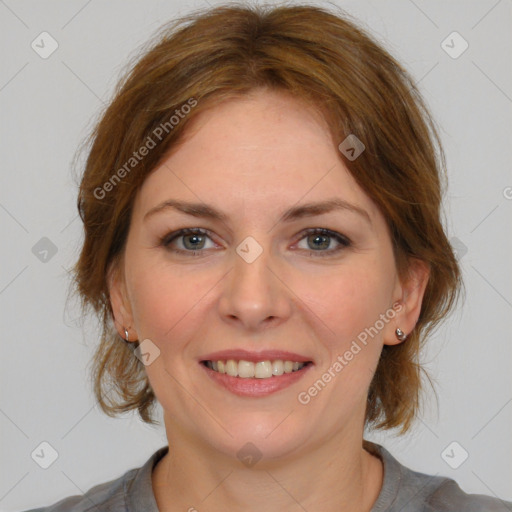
[258, 154]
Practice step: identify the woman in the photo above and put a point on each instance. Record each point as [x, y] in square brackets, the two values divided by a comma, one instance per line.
[263, 243]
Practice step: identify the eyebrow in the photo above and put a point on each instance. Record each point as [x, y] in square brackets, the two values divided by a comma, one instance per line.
[294, 213]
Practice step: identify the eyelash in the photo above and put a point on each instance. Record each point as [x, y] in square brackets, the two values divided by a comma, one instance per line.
[342, 240]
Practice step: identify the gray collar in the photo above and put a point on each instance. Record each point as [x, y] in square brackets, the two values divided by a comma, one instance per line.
[140, 496]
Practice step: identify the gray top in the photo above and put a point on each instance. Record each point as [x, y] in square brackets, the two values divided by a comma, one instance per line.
[402, 490]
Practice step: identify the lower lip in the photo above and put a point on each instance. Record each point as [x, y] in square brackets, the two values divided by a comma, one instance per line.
[256, 387]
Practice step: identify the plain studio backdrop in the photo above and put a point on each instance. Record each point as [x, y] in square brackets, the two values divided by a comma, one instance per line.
[50, 95]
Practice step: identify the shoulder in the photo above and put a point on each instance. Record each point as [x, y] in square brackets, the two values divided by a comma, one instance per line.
[131, 491]
[108, 496]
[405, 489]
[105, 497]
[448, 497]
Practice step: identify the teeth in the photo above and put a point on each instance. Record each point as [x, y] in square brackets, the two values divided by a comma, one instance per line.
[231, 368]
[277, 367]
[249, 370]
[263, 370]
[245, 369]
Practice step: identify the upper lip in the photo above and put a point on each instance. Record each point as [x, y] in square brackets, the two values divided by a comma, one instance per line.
[262, 355]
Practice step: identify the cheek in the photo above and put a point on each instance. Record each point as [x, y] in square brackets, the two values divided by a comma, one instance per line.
[346, 304]
[350, 303]
[167, 302]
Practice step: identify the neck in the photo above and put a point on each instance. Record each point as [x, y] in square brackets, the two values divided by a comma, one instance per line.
[336, 475]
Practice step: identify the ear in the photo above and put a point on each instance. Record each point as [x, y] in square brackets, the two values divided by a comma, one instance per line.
[121, 309]
[409, 294]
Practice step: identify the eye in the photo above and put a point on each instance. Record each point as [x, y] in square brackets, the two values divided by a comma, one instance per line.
[192, 239]
[319, 240]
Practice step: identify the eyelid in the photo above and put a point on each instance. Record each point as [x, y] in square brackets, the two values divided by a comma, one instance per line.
[343, 240]
[170, 237]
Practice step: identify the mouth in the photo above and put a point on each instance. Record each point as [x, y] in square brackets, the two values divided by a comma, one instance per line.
[251, 374]
[255, 370]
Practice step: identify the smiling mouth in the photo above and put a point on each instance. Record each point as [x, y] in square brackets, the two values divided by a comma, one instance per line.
[259, 370]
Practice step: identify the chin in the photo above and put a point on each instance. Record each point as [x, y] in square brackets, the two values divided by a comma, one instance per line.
[265, 436]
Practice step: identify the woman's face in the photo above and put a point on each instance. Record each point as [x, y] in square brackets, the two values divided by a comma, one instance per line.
[256, 285]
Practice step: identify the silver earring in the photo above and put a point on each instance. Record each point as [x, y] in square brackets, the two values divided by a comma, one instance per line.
[400, 334]
[126, 336]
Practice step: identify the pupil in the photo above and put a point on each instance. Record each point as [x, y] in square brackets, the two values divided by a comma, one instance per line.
[194, 238]
[320, 237]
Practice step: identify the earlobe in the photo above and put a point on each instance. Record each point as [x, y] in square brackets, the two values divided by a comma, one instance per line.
[121, 310]
[412, 293]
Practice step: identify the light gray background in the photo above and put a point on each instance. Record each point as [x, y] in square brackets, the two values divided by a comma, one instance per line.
[48, 106]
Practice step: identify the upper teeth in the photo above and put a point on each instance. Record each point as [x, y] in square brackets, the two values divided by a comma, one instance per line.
[260, 370]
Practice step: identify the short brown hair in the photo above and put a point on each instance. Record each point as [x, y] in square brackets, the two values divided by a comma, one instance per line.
[319, 57]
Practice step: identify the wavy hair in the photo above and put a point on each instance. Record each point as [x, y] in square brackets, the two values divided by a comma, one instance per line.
[322, 58]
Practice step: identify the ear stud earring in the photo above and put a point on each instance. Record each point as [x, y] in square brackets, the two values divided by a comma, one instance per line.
[400, 334]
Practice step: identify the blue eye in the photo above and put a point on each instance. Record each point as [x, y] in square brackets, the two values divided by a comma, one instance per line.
[192, 241]
[321, 238]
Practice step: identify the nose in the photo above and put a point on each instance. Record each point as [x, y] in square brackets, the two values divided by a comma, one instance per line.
[255, 296]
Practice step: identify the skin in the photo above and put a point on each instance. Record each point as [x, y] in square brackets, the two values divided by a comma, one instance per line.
[253, 158]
